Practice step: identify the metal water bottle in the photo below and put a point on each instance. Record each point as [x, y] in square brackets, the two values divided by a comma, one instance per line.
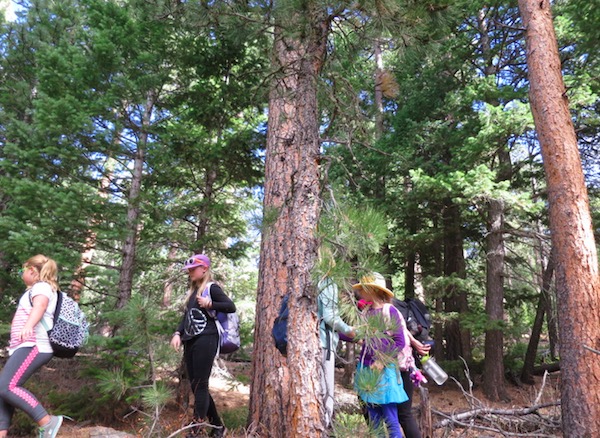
[433, 370]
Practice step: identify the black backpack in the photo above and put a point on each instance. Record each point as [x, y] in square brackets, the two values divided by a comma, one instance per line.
[279, 331]
[417, 317]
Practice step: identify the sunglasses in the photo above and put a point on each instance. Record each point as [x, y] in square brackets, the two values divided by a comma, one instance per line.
[193, 260]
[22, 270]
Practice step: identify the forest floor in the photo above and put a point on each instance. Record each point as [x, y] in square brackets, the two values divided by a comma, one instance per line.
[231, 393]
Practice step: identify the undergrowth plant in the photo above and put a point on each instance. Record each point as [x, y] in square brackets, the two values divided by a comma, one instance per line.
[130, 367]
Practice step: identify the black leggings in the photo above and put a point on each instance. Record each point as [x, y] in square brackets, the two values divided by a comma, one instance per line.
[405, 416]
[199, 354]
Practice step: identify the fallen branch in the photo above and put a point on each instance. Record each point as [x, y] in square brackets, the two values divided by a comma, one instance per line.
[550, 367]
[516, 422]
[193, 425]
[493, 429]
[541, 391]
[489, 411]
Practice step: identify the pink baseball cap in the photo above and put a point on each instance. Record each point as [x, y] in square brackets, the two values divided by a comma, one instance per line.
[197, 260]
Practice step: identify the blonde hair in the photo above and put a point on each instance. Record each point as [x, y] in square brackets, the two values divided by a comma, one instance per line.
[47, 269]
[199, 285]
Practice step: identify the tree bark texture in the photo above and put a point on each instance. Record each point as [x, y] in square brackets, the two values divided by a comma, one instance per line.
[458, 339]
[576, 270]
[493, 375]
[286, 398]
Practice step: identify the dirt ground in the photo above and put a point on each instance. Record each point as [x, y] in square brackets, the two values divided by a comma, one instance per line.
[232, 398]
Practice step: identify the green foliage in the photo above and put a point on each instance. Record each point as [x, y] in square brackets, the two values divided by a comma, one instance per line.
[127, 371]
[156, 396]
[457, 370]
[21, 425]
[367, 379]
[83, 404]
[235, 419]
[350, 425]
[75, 77]
[350, 236]
[112, 383]
[514, 358]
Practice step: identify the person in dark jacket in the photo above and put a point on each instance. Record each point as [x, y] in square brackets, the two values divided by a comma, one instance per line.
[198, 334]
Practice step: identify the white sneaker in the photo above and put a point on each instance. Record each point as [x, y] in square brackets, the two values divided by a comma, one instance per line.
[50, 430]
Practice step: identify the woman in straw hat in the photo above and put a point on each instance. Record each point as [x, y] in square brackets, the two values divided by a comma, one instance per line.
[378, 379]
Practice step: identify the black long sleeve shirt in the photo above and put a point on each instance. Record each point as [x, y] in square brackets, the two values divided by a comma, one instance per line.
[198, 321]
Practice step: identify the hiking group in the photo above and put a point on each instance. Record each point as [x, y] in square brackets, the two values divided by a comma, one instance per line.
[209, 325]
[386, 371]
[47, 323]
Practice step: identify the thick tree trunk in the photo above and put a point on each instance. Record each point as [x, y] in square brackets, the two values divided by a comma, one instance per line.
[286, 398]
[577, 279]
[493, 376]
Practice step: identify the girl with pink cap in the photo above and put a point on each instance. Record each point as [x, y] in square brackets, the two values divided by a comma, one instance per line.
[199, 335]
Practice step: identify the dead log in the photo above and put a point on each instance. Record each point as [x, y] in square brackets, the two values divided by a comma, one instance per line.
[549, 367]
[469, 415]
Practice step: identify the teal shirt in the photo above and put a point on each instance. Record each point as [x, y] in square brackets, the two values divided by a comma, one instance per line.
[330, 319]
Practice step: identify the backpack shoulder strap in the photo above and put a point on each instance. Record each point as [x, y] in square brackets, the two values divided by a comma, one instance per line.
[206, 291]
[387, 312]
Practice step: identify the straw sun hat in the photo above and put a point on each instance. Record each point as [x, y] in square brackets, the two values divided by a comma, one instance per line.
[374, 284]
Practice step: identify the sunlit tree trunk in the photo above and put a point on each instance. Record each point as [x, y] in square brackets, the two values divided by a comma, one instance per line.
[286, 400]
[577, 279]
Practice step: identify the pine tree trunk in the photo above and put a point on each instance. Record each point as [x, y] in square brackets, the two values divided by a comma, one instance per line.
[133, 209]
[286, 398]
[202, 228]
[458, 339]
[552, 322]
[577, 279]
[493, 376]
[536, 331]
